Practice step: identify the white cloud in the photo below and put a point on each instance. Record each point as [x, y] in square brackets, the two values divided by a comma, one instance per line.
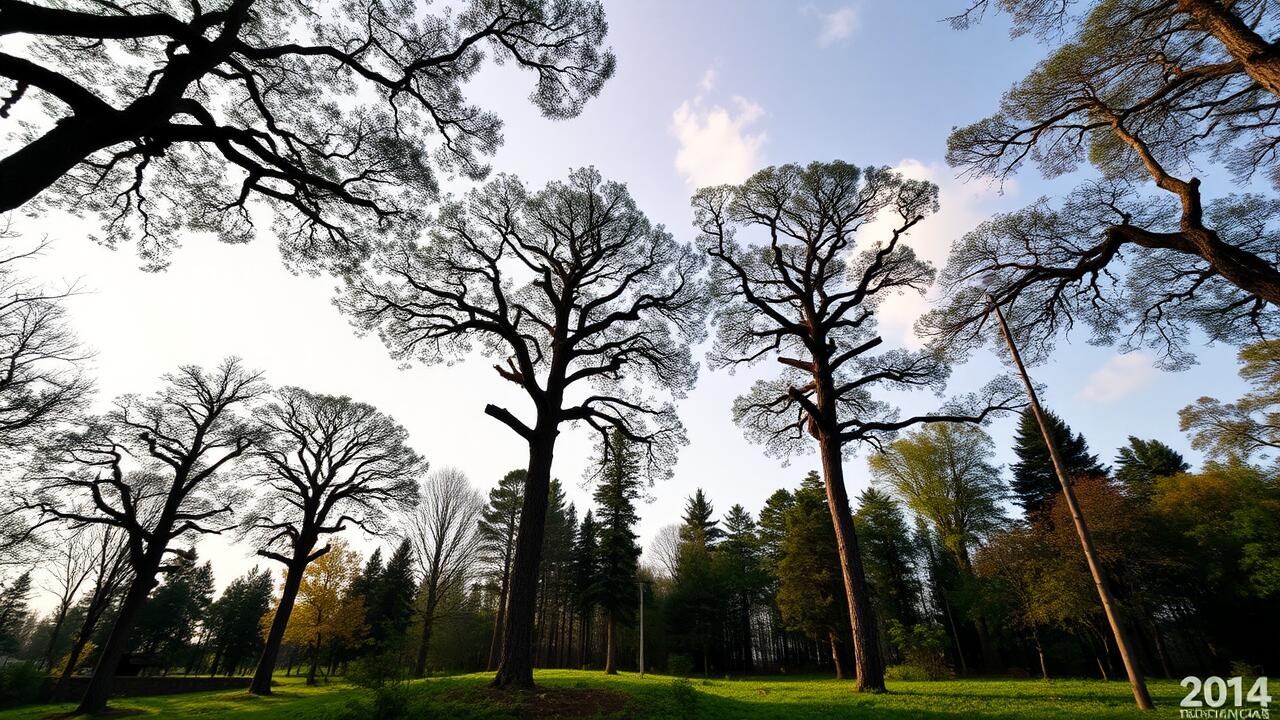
[708, 80]
[716, 145]
[837, 26]
[1123, 375]
[963, 207]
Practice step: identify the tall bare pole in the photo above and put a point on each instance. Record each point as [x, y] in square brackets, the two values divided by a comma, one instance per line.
[640, 584]
[1139, 685]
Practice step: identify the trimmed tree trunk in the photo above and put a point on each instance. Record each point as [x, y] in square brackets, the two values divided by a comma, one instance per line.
[866, 646]
[261, 684]
[609, 651]
[515, 668]
[835, 655]
[99, 689]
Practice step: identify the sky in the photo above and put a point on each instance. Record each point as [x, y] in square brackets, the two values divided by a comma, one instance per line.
[704, 93]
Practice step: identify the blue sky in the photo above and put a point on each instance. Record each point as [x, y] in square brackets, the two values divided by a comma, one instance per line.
[705, 92]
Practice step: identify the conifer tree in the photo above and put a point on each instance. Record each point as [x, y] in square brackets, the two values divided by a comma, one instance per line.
[499, 524]
[618, 552]
[1034, 482]
[699, 520]
[1139, 463]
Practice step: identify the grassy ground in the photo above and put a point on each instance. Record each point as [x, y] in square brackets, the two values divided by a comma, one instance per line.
[573, 694]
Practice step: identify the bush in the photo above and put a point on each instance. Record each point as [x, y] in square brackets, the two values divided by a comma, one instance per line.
[684, 698]
[924, 646]
[680, 665]
[20, 684]
[384, 675]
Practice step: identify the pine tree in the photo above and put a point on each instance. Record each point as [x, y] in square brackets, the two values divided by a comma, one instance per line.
[586, 560]
[1034, 480]
[389, 602]
[1140, 462]
[499, 524]
[174, 610]
[740, 551]
[235, 624]
[890, 556]
[700, 524]
[13, 611]
[618, 552]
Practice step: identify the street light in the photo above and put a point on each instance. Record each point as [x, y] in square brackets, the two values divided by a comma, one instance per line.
[640, 583]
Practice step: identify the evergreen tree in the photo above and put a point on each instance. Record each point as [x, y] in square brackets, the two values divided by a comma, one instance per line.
[555, 575]
[389, 602]
[811, 589]
[1140, 462]
[890, 556]
[1034, 481]
[699, 520]
[586, 560]
[235, 621]
[175, 609]
[773, 527]
[498, 526]
[740, 552]
[14, 612]
[618, 552]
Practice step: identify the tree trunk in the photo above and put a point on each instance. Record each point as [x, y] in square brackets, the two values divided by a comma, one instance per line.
[747, 661]
[866, 647]
[99, 689]
[609, 650]
[315, 662]
[515, 668]
[835, 655]
[1044, 667]
[428, 620]
[53, 636]
[261, 684]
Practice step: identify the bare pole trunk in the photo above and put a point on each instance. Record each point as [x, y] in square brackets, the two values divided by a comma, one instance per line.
[1136, 682]
[515, 668]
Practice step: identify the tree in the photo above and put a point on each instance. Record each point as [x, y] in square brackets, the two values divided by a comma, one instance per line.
[388, 601]
[700, 524]
[321, 112]
[941, 473]
[109, 553]
[1141, 90]
[571, 286]
[740, 551]
[891, 557]
[326, 611]
[1249, 426]
[71, 568]
[586, 565]
[499, 523]
[616, 548]
[444, 532]
[329, 463]
[811, 592]
[188, 436]
[1034, 482]
[1142, 461]
[664, 549]
[235, 621]
[13, 611]
[806, 300]
[174, 611]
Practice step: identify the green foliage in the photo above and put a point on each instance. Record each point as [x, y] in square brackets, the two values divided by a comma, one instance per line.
[613, 586]
[889, 557]
[235, 619]
[1248, 427]
[174, 610]
[925, 647]
[20, 683]
[1140, 462]
[685, 698]
[13, 611]
[700, 524]
[680, 665]
[1034, 482]
[388, 594]
[811, 588]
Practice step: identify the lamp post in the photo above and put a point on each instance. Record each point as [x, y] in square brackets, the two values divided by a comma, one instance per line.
[640, 582]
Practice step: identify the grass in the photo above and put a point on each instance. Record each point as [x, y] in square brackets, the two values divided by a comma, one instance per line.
[581, 694]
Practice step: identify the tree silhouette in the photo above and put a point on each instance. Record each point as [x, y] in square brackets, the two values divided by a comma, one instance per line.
[171, 117]
[1140, 90]
[329, 463]
[573, 288]
[616, 551]
[803, 298]
[188, 436]
[1035, 483]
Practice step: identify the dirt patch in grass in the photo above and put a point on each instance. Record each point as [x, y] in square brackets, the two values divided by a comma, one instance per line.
[547, 702]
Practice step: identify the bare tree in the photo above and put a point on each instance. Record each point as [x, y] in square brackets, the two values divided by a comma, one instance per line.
[186, 437]
[444, 531]
[171, 117]
[108, 551]
[1145, 91]
[571, 286]
[329, 463]
[803, 298]
[665, 549]
[70, 568]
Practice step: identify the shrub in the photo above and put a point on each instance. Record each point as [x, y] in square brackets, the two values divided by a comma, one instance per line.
[384, 675]
[924, 646]
[684, 698]
[20, 684]
[680, 665]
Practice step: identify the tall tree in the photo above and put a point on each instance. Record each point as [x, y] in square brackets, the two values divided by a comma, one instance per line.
[444, 531]
[329, 463]
[572, 286]
[740, 552]
[1249, 426]
[109, 557]
[176, 608]
[616, 550]
[891, 557]
[336, 117]
[72, 566]
[188, 436]
[388, 601]
[804, 298]
[1139, 463]
[499, 523]
[235, 621]
[1034, 482]
[326, 611]
[1145, 91]
[14, 597]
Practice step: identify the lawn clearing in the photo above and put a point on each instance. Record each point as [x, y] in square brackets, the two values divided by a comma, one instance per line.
[578, 694]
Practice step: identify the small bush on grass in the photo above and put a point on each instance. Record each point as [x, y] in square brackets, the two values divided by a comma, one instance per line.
[383, 675]
[684, 699]
[20, 684]
[924, 646]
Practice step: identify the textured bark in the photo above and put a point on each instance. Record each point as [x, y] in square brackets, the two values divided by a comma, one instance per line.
[261, 684]
[835, 655]
[99, 689]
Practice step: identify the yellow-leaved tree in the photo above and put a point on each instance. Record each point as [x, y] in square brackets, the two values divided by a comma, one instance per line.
[327, 613]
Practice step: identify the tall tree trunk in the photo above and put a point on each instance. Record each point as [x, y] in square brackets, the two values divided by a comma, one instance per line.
[835, 654]
[609, 650]
[515, 668]
[1044, 667]
[866, 647]
[424, 644]
[747, 661]
[99, 688]
[53, 636]
[261, 684]
[315, 662]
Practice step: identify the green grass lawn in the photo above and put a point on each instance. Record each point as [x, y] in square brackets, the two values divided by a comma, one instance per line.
[566, 693]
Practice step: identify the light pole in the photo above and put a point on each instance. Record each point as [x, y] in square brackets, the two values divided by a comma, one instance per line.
[640, 584]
